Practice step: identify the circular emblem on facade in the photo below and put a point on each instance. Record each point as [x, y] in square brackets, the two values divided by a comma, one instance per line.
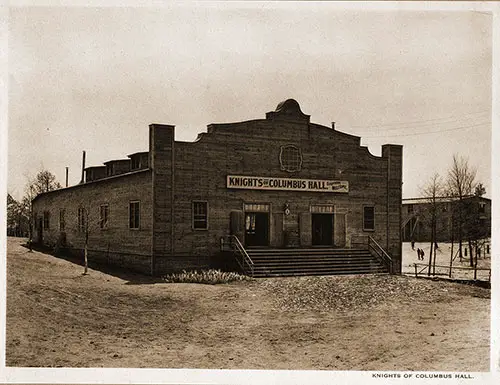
[290, 158]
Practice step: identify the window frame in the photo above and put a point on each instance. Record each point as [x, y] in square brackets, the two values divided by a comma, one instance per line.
[104, 221]
[62, 219]
[201, 217]
[137, 215]
[290, 158]
[256, 207]
[135, 163]
[365, 228]
[46, 220]
[82, 219]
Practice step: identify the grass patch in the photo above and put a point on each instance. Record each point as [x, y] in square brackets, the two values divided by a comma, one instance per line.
[209, 277]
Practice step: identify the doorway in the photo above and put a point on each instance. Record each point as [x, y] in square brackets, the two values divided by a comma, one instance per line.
[256, 229]
[322, 229]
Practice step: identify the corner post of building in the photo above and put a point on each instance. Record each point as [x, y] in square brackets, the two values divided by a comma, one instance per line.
[394, 156]
[161, 153]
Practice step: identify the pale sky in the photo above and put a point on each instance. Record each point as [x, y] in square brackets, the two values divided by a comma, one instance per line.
[94, 78]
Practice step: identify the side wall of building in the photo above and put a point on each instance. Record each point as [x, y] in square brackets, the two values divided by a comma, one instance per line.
[113, 242]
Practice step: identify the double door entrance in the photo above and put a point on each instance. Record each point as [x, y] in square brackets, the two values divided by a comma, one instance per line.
[257, 225]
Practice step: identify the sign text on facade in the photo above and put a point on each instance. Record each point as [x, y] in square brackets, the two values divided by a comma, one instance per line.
[290, 184]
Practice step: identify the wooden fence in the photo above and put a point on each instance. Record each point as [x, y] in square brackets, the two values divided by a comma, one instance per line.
[453, 272]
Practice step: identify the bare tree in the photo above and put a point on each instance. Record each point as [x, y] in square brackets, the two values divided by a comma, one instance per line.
[44, 181]
[460, 184]
[89, 223]
[479, 191]
[432, 191]
[17, 218]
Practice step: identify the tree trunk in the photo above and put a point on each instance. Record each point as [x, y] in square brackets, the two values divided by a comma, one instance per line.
[452, 244]
[475, 269]
[86, 242]
[430, 257]
[435, 247]
[86, 259]
[433, 240]
[471, 255]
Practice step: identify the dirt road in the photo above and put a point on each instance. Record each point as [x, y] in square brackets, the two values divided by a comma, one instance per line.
[58, 317]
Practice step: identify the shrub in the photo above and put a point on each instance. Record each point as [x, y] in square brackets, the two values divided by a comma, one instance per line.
[211, 277]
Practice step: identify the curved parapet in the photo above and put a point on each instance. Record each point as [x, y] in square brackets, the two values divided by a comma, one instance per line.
[288, 110]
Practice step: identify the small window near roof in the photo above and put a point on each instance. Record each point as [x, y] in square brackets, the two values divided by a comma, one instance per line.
[135, 163]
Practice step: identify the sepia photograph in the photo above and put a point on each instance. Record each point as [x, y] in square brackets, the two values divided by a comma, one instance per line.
[249, 192]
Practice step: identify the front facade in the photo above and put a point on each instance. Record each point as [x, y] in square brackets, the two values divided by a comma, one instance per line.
[278, 182]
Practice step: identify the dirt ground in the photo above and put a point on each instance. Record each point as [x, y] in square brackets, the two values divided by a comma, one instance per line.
[58, 317]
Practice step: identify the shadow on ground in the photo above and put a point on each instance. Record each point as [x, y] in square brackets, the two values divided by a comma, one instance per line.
[132, 278]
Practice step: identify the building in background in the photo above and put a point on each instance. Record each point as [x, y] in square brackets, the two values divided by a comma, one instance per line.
[415, 225]
[279, 183]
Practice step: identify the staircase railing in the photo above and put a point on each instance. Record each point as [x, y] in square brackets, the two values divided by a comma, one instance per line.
[381, 254]
[408, 218]
[242, 257]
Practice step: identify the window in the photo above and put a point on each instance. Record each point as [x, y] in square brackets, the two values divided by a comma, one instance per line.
[134, 214]
[103, 216]
[482, 207]
[46, 215]
[290, 158]
[256, 207]
[82, 219]
[322, 209]
[368, 218]
[410, 208]
[62, 221]
[200, 215]
[109, 170]
[135, 163]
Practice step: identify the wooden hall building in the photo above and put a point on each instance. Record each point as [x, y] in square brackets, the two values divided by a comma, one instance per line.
[276, 184]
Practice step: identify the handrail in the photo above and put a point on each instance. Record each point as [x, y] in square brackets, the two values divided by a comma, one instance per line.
[386, 258]
[408, 219]
[236, 244]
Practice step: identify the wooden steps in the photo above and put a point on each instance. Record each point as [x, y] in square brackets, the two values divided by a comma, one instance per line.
[313, 261]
